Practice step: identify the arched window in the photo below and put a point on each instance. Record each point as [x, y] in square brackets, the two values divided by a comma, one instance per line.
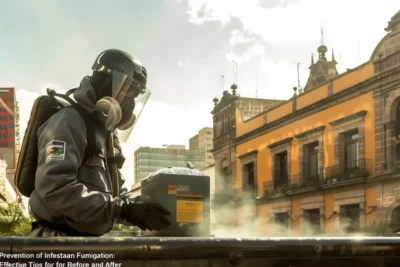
[395, 219]
[225, 172]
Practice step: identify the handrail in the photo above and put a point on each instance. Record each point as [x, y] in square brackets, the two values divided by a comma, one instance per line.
[168, 248]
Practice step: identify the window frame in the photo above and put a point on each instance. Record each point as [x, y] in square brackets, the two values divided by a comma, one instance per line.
[305, 139]
[343, 126]
[277, 148]
[245, 159]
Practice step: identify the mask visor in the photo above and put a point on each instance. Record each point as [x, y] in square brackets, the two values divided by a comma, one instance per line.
[125, 127]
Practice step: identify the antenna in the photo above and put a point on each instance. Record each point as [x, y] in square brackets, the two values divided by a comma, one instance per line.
[234, 67]
[298, 75]
[340, 62]
[221, 82]
[322, 35]
[233, 71]
[236, 75]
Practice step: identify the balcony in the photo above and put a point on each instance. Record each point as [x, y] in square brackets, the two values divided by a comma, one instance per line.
[361, 168]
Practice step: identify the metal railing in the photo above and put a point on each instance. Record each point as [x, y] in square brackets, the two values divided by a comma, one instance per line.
[170, 251]
[361, 168]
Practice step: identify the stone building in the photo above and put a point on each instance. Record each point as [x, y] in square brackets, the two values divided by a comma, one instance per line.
[325, 161]
[224, 123]
[386, 60]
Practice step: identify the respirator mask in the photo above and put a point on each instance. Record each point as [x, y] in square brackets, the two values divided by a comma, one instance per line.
[121, 110]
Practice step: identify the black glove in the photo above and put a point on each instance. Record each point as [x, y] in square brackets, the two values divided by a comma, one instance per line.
[147, 216]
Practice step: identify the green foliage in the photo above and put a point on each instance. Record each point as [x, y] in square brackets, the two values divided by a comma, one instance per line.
[13, 222]
[379, 228]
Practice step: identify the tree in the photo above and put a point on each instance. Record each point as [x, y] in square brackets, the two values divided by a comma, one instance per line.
[13, 222]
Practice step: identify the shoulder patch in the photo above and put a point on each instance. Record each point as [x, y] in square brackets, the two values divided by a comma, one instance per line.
[55, 150]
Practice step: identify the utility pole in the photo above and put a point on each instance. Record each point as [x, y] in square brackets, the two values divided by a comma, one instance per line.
[298, 74]
[221, 83]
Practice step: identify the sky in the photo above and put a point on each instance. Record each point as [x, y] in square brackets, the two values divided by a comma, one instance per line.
[185, 45]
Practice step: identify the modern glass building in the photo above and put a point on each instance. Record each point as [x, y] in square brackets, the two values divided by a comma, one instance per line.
[148, 160]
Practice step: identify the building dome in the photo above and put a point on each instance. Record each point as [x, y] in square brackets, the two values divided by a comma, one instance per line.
[390, 44]
[322, 49]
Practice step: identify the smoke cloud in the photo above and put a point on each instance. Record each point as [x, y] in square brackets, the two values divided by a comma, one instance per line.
[233, 217]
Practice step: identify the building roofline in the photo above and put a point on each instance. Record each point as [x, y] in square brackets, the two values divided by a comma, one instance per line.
[309, 90]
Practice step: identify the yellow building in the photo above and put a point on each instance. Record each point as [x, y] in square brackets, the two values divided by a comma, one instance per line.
[325, 160]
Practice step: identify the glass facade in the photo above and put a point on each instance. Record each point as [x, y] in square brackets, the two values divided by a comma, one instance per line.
[148, 160]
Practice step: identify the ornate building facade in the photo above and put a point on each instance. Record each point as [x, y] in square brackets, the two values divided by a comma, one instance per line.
[325, 161]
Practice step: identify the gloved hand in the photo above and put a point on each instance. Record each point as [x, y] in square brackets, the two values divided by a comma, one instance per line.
[147, 216]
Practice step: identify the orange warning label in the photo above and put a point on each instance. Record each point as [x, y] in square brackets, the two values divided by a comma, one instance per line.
[172, 189]
[189, 211]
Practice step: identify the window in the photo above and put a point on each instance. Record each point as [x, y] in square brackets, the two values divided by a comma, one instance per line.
[3, 127]
[3, 109]
[3, 118]
[3, 136]
[218, 126]
[249, 182]
[11, 126]
[225, 173]
[311, 155]
[281, 169]
[208, 132]
[395, 219]
[348, 135]
[311, 223]
[280, 152]
[11, 99]
[10, 117]
[282, 223]
[351, 149]
[350, 218]
[227, 124]
[311, 168]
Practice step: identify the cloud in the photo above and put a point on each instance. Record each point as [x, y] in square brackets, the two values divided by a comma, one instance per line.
[273, 36]
[239, 37]
[252, 51]
[293, 22]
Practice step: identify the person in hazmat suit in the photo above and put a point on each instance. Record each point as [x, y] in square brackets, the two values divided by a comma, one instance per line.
[72, 198]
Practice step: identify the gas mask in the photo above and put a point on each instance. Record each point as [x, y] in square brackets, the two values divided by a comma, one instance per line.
[121, 110]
